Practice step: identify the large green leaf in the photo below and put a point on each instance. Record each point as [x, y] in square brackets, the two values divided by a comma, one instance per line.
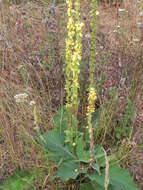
[95, 178]
[21, 180]
[53, 143]
[68, 170]
[121, 179]
[97, 181]
[91, 186]
[100, 157]
[83, 156]
[98, 187]
[86, 186]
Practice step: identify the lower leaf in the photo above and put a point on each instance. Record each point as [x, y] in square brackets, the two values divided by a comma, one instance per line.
[68, 170]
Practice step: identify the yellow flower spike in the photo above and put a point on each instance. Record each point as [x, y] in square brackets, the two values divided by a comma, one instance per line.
[92, 93]
[76, 57]
[69, 49]
[91, 101]
[73, 57]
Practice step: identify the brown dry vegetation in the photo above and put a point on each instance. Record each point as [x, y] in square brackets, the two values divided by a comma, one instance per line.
[32, 44]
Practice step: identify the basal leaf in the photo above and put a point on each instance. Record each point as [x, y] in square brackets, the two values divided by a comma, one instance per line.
[96, 167]
[53, 143]
[68, 170]
[83, 156]
[121, 179]
[100, 157]
[97, 186]
[86, 186]
[99, 179]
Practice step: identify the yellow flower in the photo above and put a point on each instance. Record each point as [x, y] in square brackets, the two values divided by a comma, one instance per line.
[97, 13]
[91, 101]
[76, 170]
[73, 144]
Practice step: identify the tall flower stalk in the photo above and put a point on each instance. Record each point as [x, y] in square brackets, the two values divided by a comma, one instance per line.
[92, 92]
[76, 61]
[69, 53]
[73, 58]
[76, 57]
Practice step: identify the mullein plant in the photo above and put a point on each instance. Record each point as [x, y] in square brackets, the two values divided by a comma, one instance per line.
[92, 91]
[73, 59]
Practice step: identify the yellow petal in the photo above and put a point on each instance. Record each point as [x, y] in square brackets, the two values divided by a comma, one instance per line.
[97, 13]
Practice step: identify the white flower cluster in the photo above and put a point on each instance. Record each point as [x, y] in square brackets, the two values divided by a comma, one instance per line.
[20, 97]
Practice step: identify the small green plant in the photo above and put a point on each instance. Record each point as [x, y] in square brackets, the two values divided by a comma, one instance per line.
[124, 129]
[21, 180]
[104, 123]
